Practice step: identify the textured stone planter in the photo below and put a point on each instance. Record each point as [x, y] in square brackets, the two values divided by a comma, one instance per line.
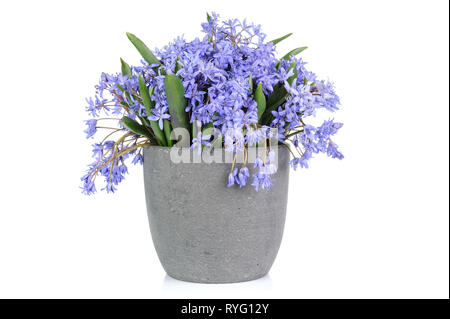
[206, 232]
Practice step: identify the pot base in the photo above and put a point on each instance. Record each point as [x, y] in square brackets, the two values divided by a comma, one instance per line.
[207, 281]
[206, 232]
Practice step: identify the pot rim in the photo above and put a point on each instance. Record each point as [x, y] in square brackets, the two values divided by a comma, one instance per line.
[278, 146]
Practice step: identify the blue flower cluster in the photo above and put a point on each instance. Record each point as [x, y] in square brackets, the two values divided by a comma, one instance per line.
[233, 84]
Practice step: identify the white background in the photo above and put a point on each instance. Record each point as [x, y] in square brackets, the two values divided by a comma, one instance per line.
[374, 225]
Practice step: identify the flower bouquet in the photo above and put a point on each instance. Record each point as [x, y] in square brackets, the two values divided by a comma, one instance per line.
[216, 122]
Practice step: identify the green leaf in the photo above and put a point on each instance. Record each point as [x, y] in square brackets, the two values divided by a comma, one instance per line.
[208, 128]
[126, 70]
[158, 133]
[294, 69]
[208, 17]
[150, 92]
[120, 88]
[274, 42]
[135, 127]
[250, 83]
[125, 104]
[277, 98]
[217, 143]
[176, 100]
[127, 95]
[145, 95]
[289, 54]
[148, 104]
[293, 52]
[167, 132]
[143, 49]
[260, 100]
[144, 121]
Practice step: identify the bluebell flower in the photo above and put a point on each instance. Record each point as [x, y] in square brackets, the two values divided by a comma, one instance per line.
[91, 128]
[269, 169]
[110, 188]
[294, 163]
[123, 169]
[91, 108]
[266, 182]
[200, 140]
[253, 136]
[258, 163]
[243, 176]
[232, 177]
[332, 151]
[108, 144]
[97, 150]
[159, 114]
[298, 161]
[88, 185]
[138, 159]
[261, 180]
[279, 117]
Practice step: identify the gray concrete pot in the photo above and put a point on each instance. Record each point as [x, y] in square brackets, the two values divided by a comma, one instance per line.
[204, 231]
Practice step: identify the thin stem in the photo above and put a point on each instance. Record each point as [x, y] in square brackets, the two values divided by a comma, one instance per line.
[294, 133]
[245, 155]
[107, 127]
[119, 154]
[117, 130]
[234, 162]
